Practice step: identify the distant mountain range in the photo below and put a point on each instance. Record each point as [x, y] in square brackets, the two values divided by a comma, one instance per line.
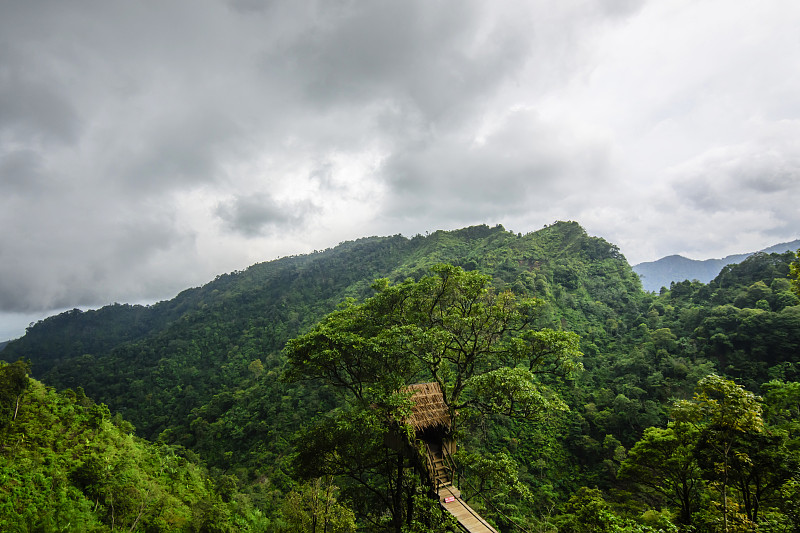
[660, 273]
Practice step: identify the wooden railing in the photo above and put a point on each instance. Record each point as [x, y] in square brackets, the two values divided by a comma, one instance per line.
[450, 464]
[431, 467]
[447, 465]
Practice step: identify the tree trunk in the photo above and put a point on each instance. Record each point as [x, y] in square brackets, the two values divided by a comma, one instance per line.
[725, 494]
[686, 509]
[16, 408]
[398, 496]
[410, 507]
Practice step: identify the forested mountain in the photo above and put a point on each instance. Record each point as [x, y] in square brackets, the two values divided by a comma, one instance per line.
[67, 464]
[182, 352]
[204, 374]
[662, 272]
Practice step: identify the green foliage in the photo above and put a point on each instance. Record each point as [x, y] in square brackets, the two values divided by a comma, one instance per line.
[795, 274]
[450, 327]
[13, 384]
[314, 509]
[513, 392]
[201, 371]
[664, 462]
[65, 467]
[587, 510]
[728, 460]
[724, 413]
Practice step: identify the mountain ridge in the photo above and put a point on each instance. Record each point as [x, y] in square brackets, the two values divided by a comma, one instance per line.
[247, 315]
[204, 373]
[674, 268]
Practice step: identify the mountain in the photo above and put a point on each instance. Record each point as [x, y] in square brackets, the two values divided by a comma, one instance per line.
[158, 365]
[203, 375]
[203, 370]
[661, 273]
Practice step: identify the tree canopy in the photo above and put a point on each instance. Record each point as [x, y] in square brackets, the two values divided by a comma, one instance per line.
[201, 372]
[451, 327]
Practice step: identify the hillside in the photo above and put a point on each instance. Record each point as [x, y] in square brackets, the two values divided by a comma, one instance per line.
[660, 273]
[205, 371]
[67, 465]
[162, 366]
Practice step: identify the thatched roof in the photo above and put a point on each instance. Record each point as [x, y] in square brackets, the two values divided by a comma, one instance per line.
[429, 409]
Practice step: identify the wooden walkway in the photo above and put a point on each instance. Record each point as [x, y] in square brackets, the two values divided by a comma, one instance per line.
[469, 520]
[450, 496]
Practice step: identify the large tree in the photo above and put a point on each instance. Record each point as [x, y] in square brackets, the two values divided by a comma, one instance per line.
[727, 416]
[664, 462]
[450, 327]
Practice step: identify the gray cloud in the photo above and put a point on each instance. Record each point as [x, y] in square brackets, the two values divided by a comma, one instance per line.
[21, 171]
[181, 151]
[70, 251]
[254, 215]
[749, 176]
[148, 146]
[432, 58]
[249, 7]
[519, 167]
[621, 7]
[32, 110]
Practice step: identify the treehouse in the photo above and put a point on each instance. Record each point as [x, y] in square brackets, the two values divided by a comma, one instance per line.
[432, 450]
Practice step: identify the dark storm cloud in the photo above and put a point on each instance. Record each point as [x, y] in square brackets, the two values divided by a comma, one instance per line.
[254, 215]
[110, 113]
[32, 108]
[178, 152]
[71, 251]
[434, 59]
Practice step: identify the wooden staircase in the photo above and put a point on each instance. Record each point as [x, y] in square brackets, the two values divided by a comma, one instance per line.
[442, 469]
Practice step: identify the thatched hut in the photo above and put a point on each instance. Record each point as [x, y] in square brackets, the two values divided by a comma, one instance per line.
[430, 419]
[428, 412]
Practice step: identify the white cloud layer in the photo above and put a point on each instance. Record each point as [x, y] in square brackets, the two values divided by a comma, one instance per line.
[146, 147]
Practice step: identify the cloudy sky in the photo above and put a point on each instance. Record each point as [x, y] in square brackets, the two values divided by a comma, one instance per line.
[147, 146]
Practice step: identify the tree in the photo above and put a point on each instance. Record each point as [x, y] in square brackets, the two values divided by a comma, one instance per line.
[314, 509]
[450, 327]
[14, 382]
[724, 413]
[794, 273]
[782, 415]
[587, 510]
[349, 445]
[663, 460]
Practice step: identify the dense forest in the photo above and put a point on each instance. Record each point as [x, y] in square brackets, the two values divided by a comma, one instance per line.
[600, 407]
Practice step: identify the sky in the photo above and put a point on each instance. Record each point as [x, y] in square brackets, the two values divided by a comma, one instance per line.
[146, 147]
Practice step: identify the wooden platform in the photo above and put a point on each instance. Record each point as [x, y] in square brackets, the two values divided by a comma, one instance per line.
[469, 520]
[430, 413]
